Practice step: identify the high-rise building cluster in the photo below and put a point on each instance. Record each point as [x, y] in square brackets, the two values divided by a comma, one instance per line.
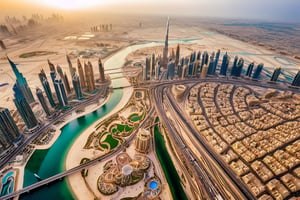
[201, 64]
[198, 64]
[23, 97]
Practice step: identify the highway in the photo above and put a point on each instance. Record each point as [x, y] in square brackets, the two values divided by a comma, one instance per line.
[79, 167]
[213, 192]
[183, 149]
[190, 129]
[157, 89]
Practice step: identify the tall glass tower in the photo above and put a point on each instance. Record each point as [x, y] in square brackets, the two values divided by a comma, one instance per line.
[276, 74]
[46, 86]
[8, 128]
[234, 68]
[250, 69]
[24, 108]
[60, 92]
[257, 71]
[211, 67]
[225, 63]
[89, 76]
[217, 59]
[21, 82]
[166, 47]
[101, 71]
[171, 70]
[77, 87]
[39, 94]
[64, 79]
[296, 81]
[81, 74]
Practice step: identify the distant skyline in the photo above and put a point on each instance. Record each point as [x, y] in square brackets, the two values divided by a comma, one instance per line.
[270, 10]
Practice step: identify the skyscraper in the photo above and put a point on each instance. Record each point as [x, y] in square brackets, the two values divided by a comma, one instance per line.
[67, 83]
[46, 86]
[21, 82]
[217, 59]
[24, 108]
[101, 71]
[9, 132]
[239, 67]
[152, 70]
[165, 51]
[193, 57]
[204, 71]
[171, 70]
[89, 76]
[250, 69]
[81, 74]
[145, 73]
[182, 61]
[296, 81]
[276, 74]
[179, 70]
[4, 143]
[177, 56]
[77, 87]
[211, 67]
[173, 54]
[234, 66]
[190, 69]
[63, 78]
[157, 70]
[199, 55]
[185, 72]
[195, 67]
[51, 66]
[71, 68]
[39, 94]
[225, 63]
[146, 69]
[143, 141]
[204, 60]
[60, 92]
[257, 71]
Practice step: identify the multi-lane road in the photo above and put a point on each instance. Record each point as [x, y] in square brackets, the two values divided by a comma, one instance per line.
[157, 94]
[48, 123]
[79, 167]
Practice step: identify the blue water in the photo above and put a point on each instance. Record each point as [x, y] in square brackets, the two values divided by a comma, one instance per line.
[4, 179]
[49, 162]
[7, 183]
[153, 185]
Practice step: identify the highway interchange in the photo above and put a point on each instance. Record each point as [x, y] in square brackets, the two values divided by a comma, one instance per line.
[212, 181]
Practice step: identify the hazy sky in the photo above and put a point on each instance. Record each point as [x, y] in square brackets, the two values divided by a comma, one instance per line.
[275, 10]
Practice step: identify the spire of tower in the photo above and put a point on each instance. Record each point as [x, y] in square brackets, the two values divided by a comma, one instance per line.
[165, 52]
[167, 34]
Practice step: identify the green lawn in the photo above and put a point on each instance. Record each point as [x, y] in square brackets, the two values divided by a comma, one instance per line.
[112, 142]
[121, 128]
[135, 117]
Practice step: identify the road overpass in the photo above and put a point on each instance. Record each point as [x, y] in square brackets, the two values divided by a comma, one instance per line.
[80, 167]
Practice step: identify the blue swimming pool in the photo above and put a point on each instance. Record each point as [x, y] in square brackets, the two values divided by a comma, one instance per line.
[7, 175]
[153, 185]
[7, 183]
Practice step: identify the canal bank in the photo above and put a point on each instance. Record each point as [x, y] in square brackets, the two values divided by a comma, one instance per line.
[50, 162]
[168, 166]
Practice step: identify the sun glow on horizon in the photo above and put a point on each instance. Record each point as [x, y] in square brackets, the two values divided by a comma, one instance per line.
[69, 4]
